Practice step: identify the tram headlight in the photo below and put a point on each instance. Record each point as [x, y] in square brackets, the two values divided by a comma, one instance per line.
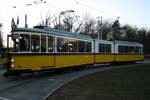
[12, 65]
[12, 60]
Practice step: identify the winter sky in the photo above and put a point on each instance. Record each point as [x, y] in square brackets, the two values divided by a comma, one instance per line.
[134, 12]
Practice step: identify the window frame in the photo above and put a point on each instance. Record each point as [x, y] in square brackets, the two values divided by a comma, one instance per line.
[103, 48]
[77, 43]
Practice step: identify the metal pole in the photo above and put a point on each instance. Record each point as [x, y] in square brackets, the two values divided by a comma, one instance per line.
[98, 30]
[100, 35]
[59, 20]
[26, 25]
[8, 43]
[101, 29]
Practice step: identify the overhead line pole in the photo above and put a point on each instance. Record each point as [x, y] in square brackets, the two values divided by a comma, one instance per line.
[100, 34]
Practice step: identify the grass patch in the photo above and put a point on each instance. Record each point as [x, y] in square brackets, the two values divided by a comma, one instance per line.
[117, 84]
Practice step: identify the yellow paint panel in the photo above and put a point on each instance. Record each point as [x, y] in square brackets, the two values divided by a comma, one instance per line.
[38, 62]
[33, 62]
[73, 60]
[120, 58]
[102, 58]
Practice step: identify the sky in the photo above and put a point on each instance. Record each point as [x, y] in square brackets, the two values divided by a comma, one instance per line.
[133, 12]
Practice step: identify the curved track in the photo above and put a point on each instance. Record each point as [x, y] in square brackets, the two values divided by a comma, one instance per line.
[38, 86]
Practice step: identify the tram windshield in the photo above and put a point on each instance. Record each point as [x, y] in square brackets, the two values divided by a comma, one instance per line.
[30, 43]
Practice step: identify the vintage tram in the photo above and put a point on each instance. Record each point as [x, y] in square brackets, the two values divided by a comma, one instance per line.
[43, 48]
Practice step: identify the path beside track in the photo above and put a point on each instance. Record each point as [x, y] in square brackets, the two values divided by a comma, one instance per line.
[38, 86]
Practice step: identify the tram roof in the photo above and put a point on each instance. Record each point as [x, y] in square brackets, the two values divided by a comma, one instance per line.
[47, 30]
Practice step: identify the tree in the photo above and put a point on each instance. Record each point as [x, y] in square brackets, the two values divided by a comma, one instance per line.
[116, 29]
[130, 33]
[146, 43]
[142, 38]
[89, 26]
[106, 31]
[46, 21]
[66, 21]
[141, 35]
[1, 38]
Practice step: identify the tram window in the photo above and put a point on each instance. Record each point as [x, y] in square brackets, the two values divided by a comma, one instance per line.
[16, 47]
[43, 43]
[35, 43]
[72, 46]
[62, 45]
[108, 48]
[50, 44]
[81, 46]
[88, 46]
[141, 49]
[132, 49]
[24, 42]
[124, 49]
[16, 43]
[136, 49]
[101, 47]
[121, 49]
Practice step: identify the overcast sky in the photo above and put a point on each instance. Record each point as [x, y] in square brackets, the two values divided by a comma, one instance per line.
[134, 12]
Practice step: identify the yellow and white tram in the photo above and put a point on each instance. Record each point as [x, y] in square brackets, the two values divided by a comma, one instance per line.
[42, 48]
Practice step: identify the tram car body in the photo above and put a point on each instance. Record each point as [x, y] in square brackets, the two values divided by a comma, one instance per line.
[42, 48]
